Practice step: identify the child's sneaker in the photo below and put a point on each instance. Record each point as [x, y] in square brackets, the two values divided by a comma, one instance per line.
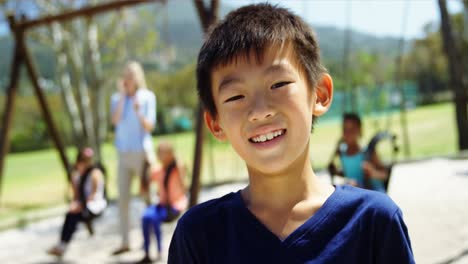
[56, 251]
[145, 260]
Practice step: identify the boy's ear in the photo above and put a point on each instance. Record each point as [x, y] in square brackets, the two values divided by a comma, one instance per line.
[324, 95]
[214, 127]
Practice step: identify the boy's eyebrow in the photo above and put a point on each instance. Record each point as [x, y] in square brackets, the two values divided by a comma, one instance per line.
[271, 70]
[277, 68]
[227, 81]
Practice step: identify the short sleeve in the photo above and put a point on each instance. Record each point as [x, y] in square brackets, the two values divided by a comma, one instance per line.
[113, 102]
[394, 242]
[181, 249]
[150, 114]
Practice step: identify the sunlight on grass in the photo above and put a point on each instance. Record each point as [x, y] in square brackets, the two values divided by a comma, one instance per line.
[36, 179]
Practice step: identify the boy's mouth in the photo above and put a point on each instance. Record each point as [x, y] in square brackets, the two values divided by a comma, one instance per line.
[267, 136]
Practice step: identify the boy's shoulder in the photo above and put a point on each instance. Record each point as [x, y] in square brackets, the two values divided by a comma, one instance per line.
[372, 203]
[346, 200]
[209, 212]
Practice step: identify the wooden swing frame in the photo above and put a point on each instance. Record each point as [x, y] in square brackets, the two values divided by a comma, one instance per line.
[23, 56]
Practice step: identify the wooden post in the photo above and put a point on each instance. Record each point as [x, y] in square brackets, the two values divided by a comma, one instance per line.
[21, 54]
[85, 11]
[208, 16]
[45, 109]
[10, 100]
[195, 186]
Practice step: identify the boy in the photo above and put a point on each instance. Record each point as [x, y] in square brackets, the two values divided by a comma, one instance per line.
[261, 83]
[361, 166]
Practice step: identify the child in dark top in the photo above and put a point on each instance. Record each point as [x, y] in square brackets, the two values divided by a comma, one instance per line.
[262, 84]
[88, 197]
[358, 169]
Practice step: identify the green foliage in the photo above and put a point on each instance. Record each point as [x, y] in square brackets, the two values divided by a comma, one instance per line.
[174, 90]
[28, 131]
[139, 33]
[426, 61]
[39, 174]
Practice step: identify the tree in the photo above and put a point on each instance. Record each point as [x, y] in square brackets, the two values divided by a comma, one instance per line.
[456, 73]
[427, 65]
[81, 54]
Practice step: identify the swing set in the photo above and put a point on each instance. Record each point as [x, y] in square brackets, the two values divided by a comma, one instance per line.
[208, 15]
[385, 135]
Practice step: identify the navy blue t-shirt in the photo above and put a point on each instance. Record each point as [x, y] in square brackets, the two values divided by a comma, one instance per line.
[352, 226]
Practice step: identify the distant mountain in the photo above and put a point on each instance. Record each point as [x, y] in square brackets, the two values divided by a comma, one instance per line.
[185, 33]
[181, 29]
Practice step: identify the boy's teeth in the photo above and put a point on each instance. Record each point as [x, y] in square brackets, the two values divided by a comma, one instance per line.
[268, 136]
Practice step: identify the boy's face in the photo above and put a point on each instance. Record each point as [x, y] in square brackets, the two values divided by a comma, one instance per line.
[351, 132]
[265, 110]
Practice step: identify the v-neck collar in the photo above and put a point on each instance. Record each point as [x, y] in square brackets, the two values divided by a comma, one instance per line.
[309, 226]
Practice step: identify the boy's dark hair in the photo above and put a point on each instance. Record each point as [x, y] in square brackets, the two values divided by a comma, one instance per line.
[254, 28]
[352, 117]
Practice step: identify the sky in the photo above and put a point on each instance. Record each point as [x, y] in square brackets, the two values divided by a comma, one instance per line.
[377, 17]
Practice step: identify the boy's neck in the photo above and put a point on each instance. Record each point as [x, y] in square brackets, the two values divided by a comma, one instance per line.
[283, 191]
[285, 201]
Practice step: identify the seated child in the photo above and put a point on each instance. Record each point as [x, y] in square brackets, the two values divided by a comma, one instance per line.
[172, 198]
[360, 168]
[262, 84]
[88, 198]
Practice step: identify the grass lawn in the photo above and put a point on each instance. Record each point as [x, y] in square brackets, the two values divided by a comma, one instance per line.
[36, 179]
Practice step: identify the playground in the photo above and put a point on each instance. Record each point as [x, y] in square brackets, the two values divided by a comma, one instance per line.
[433, 202]
[50, 116]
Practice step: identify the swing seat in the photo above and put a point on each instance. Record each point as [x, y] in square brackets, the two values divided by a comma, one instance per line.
[371, 147]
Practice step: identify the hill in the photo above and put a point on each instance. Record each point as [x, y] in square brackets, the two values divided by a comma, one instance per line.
[179, 27]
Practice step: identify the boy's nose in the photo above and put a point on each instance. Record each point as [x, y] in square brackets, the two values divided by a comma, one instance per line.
[260, 109]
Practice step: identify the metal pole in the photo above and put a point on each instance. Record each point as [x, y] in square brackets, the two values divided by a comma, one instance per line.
[403, 118]
[348, 94]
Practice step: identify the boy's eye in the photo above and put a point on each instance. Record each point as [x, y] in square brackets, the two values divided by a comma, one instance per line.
[234, 98]
[279, 84]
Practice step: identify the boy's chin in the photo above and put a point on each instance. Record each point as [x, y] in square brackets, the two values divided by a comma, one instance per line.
[273, 169]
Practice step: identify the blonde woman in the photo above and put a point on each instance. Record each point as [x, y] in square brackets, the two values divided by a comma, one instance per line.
[133, 111]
